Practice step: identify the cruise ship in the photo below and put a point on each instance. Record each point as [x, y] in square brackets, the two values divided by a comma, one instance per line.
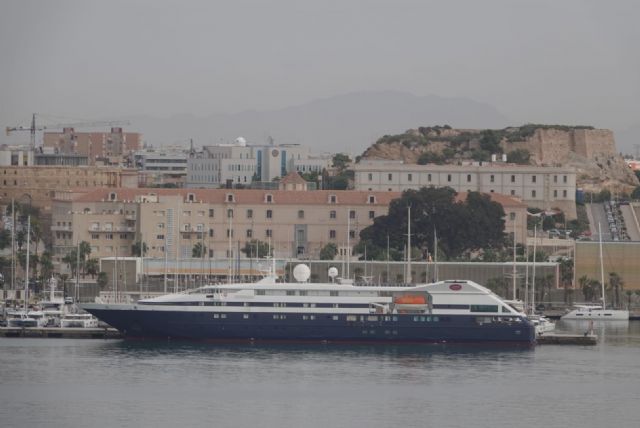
[442, 312]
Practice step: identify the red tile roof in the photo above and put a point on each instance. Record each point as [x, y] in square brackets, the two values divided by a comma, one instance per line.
[293, 178]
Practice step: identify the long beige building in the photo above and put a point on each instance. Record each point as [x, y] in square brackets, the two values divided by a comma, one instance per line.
[171, 222]
[37, 185]
[540, 187]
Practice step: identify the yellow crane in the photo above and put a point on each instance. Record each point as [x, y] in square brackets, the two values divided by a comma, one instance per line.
[33, 128]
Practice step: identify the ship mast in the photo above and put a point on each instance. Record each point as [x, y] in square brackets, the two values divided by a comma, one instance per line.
[604, 306]
[26, 284]
[409, 279]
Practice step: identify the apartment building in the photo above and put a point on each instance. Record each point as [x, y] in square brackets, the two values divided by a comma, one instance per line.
[540, 187]
[37, 184]
[94, 145]
[239, 163]
[162, 166]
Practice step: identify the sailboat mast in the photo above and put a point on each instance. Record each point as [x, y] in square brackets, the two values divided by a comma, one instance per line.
[77, 293]
[409, 279]
[533, 273]
[435, 254]
[348, 241]
[13, 244]
[604, 305]
[514, 259]
[26, 284]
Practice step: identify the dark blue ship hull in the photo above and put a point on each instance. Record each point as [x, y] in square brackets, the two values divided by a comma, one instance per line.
[408, 328]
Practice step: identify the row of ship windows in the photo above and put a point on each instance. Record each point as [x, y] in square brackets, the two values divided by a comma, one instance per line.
[471, 308]
[351, 318]
[534, 178]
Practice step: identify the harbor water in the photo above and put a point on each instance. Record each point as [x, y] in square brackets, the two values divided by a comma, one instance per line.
[86, 382]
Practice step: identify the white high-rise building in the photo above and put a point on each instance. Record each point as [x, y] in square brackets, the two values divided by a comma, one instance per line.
[240, 163]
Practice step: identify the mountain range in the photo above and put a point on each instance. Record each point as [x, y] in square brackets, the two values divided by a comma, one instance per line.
[344, 123]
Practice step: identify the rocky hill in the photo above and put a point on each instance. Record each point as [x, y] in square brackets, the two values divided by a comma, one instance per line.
[590, 151]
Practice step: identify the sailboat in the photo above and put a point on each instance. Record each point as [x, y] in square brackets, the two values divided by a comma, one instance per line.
[598, 312]
[26, 318]
[540, 322]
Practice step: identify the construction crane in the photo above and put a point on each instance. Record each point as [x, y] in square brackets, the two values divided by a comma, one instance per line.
[33, 128]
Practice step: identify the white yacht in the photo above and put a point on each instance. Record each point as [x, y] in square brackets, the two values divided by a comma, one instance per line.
[83, 320]
[596, 312]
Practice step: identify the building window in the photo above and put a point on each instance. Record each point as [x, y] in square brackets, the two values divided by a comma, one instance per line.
[210, 212]
[370, 176]
[372, 199]
[555, 193]
[352, 214]
[268, 198]
[564, 193]
[333, 199]
[249, 213]
[268, 233]
[409, 177]
[512, 216]
[269, 214]
[493, 178]
[191, 197]
[249, 233]
[429, 177]
[533, 193]
[533, 178]
[564, 178]
[211, 233]
[372, 214]
[332, 234]
[230, 213]
[95, 236]
[229, 233]
[352, 234]
[332, 214]
[300, 214]
[513, 192]
[555, 178]
[390, 177]
[230, 198]
[513, 178]
[468, 178]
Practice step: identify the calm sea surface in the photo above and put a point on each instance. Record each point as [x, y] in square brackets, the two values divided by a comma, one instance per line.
[85, 383]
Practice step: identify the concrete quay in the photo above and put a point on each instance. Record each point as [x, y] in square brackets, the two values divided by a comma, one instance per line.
[567, 339]
[61, 333]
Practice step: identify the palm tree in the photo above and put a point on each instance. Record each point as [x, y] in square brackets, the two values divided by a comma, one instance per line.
[629, 293]
[616, 284]
[102, 280]
[46, 266]
[93, 265]
[566, 276]
[588, 287]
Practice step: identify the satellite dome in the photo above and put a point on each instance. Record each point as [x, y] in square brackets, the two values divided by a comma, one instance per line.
[301, 273]
[333, 272]
[241, 141]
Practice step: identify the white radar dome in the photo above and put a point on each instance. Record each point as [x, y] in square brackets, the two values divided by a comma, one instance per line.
[241, 141]
[301, 273]
[333, 272]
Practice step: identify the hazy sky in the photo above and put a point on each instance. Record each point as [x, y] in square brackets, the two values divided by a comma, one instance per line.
[569, 61]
